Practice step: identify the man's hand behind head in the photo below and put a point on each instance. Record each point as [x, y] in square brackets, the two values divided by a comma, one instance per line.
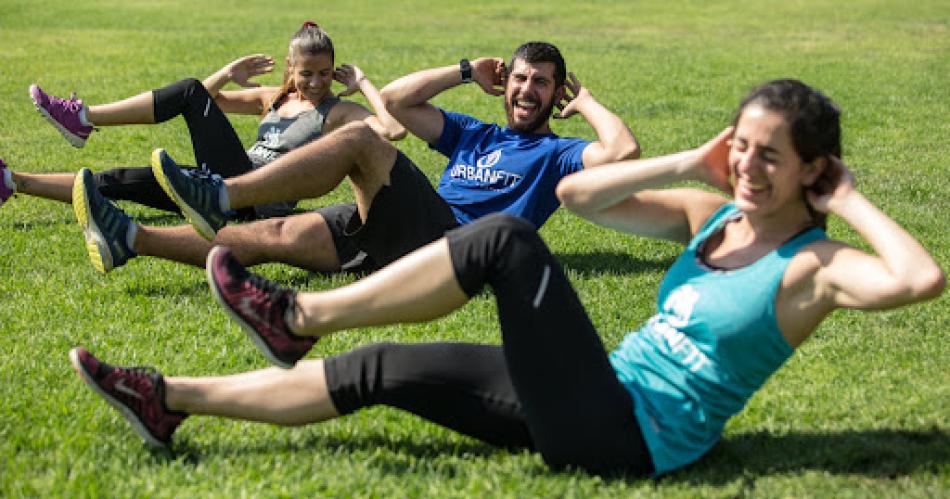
[489, 73]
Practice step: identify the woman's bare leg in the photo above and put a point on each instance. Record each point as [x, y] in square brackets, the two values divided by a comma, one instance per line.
[136, 110]
[281, 396]
[55, 186]
[419, 287]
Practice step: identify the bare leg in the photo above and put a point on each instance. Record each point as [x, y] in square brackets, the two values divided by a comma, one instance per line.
[137, 110]
[317, 168]
[282, 396]
[178, 244]
[301, 240]
[419, 287]
[56, 186]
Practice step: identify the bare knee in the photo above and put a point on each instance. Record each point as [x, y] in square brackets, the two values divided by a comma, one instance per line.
[304, 240]
[374, 156]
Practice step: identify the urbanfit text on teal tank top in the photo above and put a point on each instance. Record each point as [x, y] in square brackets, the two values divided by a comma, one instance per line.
[712, 343]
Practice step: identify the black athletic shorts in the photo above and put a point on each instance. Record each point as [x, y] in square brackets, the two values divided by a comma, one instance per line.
[404, 216]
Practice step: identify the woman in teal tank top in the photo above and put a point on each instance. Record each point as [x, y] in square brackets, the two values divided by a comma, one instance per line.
[758, 274]
[756, 278]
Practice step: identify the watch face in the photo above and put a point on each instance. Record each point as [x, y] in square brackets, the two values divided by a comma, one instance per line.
[465, 68]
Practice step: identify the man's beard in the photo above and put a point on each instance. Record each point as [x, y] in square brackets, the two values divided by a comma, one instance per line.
[532, 125]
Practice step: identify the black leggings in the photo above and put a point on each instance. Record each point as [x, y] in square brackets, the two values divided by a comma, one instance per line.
[214, 140]
[549, 387]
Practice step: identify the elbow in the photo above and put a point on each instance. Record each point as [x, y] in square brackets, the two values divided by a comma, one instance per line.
[930, 283]
[926, 284]
[396, 133]
[389, 98]
[630, 150]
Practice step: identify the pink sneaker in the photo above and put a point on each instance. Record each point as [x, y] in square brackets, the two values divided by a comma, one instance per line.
[62, 114]
[138, 393]
[5, 191]
[258, 305]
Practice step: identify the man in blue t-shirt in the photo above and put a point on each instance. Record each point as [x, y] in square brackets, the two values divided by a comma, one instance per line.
[512, 169]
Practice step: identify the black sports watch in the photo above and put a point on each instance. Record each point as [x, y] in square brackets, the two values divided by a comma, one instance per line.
[465, 68]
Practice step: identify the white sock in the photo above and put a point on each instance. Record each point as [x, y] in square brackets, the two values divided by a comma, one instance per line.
[289, 315]
[223, 201]
[8, 179]
[82, 116]
[130, 235]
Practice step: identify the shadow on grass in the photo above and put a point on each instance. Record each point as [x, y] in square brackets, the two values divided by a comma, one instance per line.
[163, 218]
[600, 263]
[199, 286]
[190, 287]
[394, 461]
[20, 225]
[881, 454]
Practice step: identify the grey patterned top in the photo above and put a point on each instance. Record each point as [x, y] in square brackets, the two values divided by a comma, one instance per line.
[277, 136]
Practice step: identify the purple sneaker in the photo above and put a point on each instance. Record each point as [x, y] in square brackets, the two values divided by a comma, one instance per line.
[138, 393]
[5, 191]
[258, 305]
[62, 114]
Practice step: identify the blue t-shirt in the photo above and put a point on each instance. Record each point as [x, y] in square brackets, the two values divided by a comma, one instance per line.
[712, 343]
[493, 169]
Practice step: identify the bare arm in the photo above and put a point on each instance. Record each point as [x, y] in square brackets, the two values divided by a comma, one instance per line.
[901, 272]
[240, 71]
[624, 195]
[382, 122]
[407, 98]
[615, 141]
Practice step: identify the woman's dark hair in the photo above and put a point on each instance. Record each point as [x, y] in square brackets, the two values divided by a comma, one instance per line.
[310, 39]
[814, 121]
[533, 52]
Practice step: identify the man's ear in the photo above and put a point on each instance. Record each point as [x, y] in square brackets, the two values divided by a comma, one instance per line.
[814, 170]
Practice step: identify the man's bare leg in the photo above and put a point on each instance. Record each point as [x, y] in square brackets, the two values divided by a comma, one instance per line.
[302, 240]
[353, 151]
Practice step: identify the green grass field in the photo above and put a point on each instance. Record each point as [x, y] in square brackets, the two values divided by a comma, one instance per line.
[863, 409]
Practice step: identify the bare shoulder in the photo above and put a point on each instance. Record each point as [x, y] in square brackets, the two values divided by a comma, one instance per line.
[698, 205]
[806, 267]
[345, 112]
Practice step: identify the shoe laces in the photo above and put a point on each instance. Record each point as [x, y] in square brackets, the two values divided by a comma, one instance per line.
[274, 291]
[205, 175]
[139, 371]
[72, 104]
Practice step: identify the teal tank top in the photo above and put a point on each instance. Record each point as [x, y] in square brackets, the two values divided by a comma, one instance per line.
[713, 342]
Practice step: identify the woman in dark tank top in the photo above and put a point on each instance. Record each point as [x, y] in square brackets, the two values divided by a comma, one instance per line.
[300, 110]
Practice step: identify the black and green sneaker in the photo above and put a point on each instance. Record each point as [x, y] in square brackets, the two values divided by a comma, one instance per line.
[196, 195]
[104, 225]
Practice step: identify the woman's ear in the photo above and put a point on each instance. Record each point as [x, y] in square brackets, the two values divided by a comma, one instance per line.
[814, 170]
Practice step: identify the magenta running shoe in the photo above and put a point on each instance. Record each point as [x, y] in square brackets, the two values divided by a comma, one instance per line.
[62, 114]
[5, 192]
[137, 392]
[258, 305]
